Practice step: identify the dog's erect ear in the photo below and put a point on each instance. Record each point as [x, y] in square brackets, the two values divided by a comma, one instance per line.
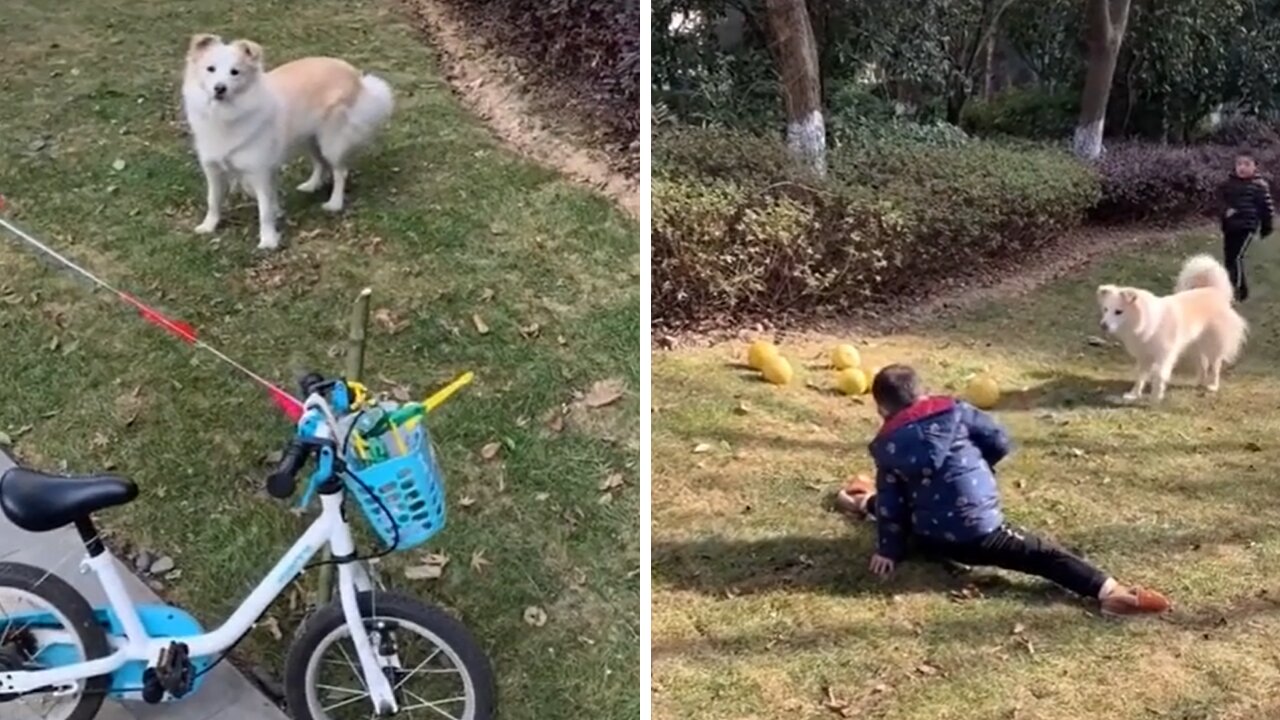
[250, 49]
[1106, 291]
[201, 42]
[1129, 295]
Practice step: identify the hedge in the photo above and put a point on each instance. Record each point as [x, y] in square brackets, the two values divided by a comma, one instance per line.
[1149, 182]
[739, 230]
[587, 48]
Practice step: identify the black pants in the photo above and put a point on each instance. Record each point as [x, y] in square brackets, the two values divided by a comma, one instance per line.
[1014, 549]
[1234, 245]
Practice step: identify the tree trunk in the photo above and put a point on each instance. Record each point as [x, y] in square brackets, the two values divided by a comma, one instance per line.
[1105, 23]
[797, 54]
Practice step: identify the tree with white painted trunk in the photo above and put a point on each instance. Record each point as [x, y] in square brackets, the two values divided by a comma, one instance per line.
[1105, 23]
[797, 55]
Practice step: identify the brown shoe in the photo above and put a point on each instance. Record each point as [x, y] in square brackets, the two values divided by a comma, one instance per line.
[1125, 602]
[852, 498]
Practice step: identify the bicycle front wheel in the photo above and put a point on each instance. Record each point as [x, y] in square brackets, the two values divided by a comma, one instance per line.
[435, 665]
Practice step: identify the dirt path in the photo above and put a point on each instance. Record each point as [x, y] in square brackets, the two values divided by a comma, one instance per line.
[1000, 280]
[485, 86]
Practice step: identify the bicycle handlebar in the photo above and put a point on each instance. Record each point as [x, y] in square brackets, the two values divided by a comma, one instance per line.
[282, 483]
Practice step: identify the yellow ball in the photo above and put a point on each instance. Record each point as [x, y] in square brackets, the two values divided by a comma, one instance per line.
[871, 372]
[760, 352]
[777, 370]
[983, 392]
[852, 381]
[844, 357]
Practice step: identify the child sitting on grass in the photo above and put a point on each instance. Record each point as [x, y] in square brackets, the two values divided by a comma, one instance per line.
[935, 488]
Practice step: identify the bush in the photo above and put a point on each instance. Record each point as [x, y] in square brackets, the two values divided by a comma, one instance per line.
[1162, 183]
[1243, 131]
[588, 49]
[740, 230]
[1033, 114]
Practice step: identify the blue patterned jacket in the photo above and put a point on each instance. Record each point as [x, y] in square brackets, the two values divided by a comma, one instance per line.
[934, 474]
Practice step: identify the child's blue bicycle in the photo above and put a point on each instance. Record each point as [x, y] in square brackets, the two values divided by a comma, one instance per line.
[369, 654]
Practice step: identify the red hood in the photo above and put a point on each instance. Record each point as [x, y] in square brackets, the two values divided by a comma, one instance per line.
[920, 409]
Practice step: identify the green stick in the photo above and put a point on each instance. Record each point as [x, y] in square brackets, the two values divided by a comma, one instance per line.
[355, 371]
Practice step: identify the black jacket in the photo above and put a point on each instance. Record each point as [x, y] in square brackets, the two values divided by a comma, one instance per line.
[1246, 205]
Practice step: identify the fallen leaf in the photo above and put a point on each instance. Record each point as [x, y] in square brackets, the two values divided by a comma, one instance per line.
[478, 561]
[603, 392]
[1019, 628]
[927, 669]
[486, 294]
[531, 330]
[480, 326]
[118, 165]
[535, 616]
[490, 451]
[432, 567]
[5, 439]
[702, 448]
[613, 482]
[466, 501]
[388, 321]
[742, 408]
[835, 704]
[271, 625]
[542, 497]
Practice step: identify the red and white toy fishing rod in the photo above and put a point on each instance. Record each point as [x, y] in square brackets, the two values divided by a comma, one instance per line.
[184, 331]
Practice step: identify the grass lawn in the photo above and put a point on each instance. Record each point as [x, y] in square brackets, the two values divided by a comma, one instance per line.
[763, 606]
[443, 223]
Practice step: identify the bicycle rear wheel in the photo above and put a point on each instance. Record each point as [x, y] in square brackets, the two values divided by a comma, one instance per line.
[45, 623]
[439, 671]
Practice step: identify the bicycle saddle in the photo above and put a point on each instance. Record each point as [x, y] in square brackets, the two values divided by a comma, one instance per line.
[39, 502]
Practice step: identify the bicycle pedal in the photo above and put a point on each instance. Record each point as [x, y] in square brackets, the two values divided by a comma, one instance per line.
[173, 674]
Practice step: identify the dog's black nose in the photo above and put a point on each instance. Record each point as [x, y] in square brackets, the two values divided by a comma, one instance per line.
[219, 89]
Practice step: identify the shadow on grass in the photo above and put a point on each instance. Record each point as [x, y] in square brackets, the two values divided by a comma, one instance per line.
[1065, 391]
[838, 566]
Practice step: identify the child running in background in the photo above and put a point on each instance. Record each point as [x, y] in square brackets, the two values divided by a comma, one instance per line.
[1246, 209]
[935, 490]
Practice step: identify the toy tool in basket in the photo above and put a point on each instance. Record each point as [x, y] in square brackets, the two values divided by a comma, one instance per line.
[388, 461]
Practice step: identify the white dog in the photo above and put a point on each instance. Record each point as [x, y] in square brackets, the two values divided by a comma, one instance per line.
[1156, 331]
[247, 122]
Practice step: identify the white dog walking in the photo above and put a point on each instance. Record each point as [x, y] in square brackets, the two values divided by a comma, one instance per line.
[248, 123]
[1198, 317]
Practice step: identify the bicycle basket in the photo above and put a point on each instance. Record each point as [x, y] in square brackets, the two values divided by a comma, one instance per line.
[410, 487]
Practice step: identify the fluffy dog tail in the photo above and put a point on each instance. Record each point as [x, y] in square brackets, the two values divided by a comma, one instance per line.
[1228, 330]
[370, 111]
[1204, 271]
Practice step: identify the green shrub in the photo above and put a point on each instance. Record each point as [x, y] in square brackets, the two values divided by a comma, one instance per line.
[742, 231]
[1031, 114]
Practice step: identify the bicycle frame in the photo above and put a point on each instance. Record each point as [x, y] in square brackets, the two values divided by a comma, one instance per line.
[329, 528]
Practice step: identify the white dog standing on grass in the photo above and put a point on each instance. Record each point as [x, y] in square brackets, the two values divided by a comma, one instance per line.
[248, 123]
[1198, 318]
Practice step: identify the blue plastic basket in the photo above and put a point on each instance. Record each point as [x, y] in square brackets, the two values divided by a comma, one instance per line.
[410, 488]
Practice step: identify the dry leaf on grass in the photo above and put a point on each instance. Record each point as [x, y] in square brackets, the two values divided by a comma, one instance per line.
[535, 616]
[603, 392]
[491, 450]
[481, 327]
[387, 320]
[613, 482]
[271, 625]
[701, 448]
[432, 567]
[836, 705]
[466, 501]
[478, 561]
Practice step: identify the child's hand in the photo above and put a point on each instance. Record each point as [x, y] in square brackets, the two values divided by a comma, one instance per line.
[881, 565]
